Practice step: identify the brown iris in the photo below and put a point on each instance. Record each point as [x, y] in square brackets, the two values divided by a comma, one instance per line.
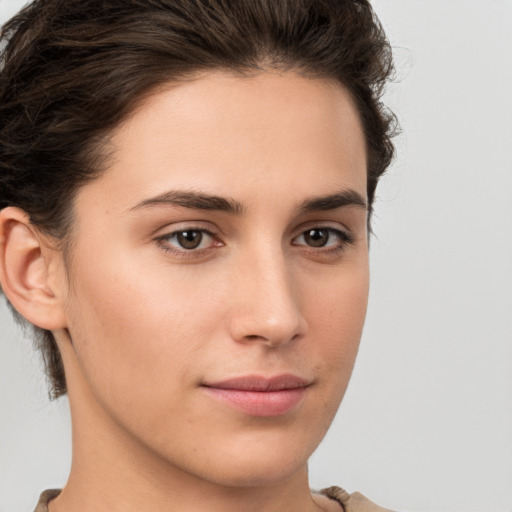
[316, 237]
[189, 239]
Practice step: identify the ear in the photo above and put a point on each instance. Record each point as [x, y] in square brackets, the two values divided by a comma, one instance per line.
[30, 271]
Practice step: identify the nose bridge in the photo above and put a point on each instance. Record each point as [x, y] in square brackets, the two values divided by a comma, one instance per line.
[267, 304]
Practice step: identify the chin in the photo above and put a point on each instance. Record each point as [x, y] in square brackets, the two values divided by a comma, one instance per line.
[258, 462]
[258, 473]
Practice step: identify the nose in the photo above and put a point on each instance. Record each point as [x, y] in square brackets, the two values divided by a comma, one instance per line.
[266, 307]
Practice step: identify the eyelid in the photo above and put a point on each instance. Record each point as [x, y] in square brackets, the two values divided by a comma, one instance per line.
[198, 224]
[345, 239]
[163, 240]
[342, 234]
[327, 225]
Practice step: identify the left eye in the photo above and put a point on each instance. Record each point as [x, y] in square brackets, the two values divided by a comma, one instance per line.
[322, 237]
[188, 239]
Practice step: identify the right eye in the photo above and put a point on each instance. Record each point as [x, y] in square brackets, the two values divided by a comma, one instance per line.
[188, 240]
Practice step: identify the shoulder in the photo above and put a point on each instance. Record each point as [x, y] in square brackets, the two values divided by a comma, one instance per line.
[45, 498]
[354, 502]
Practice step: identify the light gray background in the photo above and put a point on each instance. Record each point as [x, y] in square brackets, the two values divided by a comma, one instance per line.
[427, 422]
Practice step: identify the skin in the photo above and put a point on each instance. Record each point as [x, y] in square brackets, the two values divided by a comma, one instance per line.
[142, 323]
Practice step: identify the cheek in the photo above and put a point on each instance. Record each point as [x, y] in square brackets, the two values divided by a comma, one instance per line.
[336, 312]
[337, 303]
[336, 315]
[137, 330]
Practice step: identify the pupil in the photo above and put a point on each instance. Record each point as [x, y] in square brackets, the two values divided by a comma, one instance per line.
[316, 237]
[189, 239]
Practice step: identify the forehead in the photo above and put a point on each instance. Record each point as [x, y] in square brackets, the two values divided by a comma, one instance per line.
[222, 131]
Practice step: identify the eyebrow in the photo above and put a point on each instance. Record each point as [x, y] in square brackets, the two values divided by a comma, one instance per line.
[333, 201]
[193, 200]
[201, 201]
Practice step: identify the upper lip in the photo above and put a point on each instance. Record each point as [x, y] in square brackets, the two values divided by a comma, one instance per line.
[258, 383]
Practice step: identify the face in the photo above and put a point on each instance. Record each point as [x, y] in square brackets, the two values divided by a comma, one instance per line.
[219, 275]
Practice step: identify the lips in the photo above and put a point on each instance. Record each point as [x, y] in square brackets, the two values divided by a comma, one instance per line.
[260, 396]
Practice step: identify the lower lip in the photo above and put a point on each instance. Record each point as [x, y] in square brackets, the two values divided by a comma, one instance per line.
[259, 403]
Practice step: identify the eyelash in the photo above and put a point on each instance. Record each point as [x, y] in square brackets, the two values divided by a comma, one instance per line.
[184, 253]
[345, 238]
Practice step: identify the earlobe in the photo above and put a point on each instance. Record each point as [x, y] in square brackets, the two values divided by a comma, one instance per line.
[25, 271]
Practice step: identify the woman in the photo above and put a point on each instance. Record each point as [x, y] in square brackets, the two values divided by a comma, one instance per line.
[185, 205]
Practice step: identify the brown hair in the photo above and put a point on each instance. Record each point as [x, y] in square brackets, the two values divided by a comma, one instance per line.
[73, 69]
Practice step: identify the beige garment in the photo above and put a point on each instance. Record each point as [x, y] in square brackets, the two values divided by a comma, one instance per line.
[354, 502]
